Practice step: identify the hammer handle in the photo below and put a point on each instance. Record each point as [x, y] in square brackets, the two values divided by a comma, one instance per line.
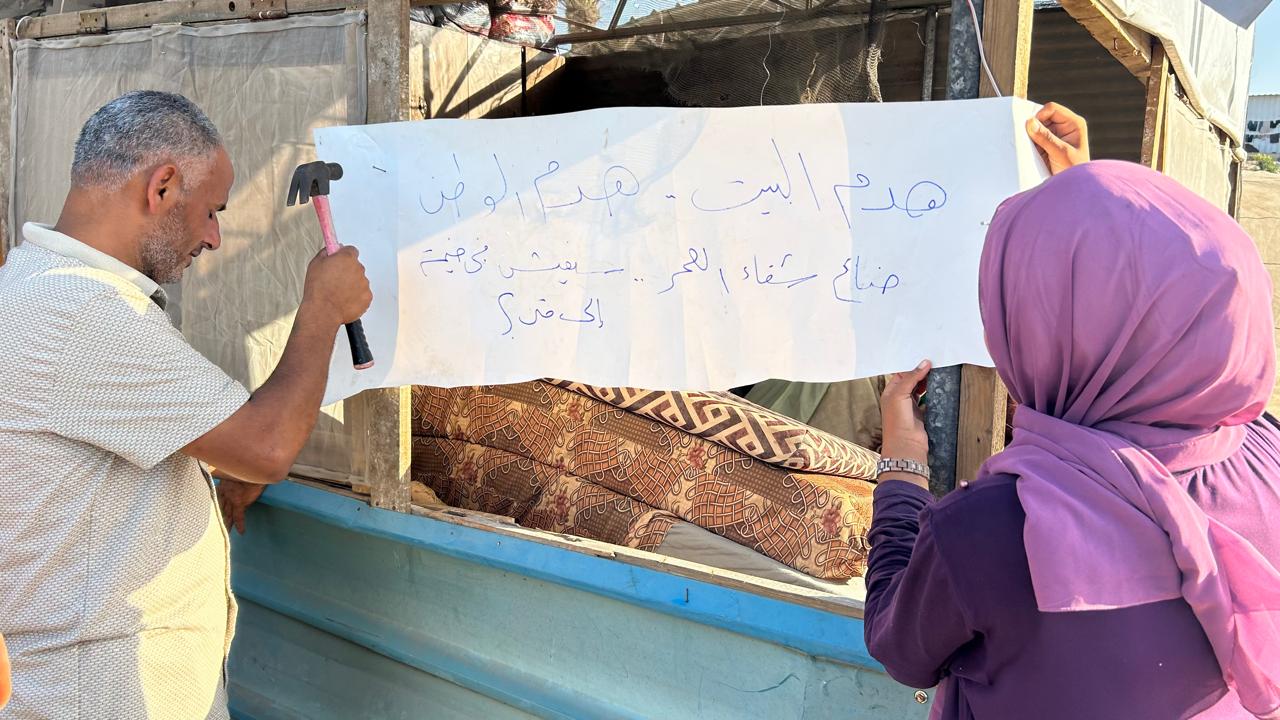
[361, 357]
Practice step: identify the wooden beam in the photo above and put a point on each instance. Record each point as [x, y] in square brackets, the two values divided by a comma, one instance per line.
[1154, 121]
[388, 60]
[1006, 35]
[388, 441]
[983, 412]
[143, 15]
[1126, 43]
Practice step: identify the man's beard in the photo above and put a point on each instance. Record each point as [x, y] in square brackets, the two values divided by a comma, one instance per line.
[162, 260]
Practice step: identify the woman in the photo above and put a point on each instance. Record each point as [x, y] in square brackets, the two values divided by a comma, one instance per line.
[1119, 559]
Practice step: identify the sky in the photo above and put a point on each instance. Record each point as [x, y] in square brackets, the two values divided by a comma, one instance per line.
[1265, 78]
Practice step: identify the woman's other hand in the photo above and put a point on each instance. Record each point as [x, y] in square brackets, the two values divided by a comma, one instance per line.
[1061, 136]
[903, 421]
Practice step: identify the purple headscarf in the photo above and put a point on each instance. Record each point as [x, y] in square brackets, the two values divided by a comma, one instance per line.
[1132, 322]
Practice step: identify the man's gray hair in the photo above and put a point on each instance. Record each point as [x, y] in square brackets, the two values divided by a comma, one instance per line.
[142, 128]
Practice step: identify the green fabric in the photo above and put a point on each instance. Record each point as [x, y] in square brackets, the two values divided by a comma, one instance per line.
[798, 400]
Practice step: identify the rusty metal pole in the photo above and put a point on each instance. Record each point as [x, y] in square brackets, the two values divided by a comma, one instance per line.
[942, 412]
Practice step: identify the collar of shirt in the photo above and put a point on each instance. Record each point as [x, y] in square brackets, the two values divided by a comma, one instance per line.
[46, 237]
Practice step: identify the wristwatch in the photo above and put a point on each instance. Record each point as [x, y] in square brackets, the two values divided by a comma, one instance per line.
[899, 465]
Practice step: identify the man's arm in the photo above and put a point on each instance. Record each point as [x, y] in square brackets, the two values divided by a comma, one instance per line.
[261, 440]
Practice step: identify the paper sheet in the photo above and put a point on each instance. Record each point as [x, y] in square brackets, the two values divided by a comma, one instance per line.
[672, 248]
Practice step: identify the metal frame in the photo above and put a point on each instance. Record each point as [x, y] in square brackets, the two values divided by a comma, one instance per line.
[826, 9]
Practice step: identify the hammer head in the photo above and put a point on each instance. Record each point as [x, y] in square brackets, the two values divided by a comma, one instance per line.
[312, 179]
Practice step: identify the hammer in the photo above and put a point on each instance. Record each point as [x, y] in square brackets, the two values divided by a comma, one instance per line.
[311, 180]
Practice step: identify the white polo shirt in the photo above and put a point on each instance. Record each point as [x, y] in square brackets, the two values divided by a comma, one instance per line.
[115, 598]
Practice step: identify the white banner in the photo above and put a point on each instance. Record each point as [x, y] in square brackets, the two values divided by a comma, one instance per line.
[669, 248]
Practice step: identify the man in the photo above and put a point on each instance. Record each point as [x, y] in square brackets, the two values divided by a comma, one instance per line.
[114, 594]
[6, 683]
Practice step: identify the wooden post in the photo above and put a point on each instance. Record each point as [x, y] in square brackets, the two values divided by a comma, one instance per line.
[388, 441]
[147, 14]
[8, 29]
[1006, 36]
[1153, 124]
[1237, 191]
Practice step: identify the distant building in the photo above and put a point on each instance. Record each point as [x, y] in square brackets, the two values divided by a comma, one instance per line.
[1262, 125]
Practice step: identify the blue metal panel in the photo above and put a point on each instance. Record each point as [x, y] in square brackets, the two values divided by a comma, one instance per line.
[354, 612]
[805, 629]
[301, 672]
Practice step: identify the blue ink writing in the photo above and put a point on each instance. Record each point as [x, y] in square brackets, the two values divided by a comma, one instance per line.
[768, 278]
[774, 189]
[696, 262]
[491, 202]
[923, 197]
[458, 189]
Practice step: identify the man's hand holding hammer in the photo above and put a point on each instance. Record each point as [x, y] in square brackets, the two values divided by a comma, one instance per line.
[258, 444]
[336, 286]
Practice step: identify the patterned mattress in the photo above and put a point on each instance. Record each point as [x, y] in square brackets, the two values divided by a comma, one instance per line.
[621, 465]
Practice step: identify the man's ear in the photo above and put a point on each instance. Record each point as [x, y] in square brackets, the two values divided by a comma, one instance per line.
[163, 188]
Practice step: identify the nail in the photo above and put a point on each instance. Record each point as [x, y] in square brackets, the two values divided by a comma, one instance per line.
[922, 364]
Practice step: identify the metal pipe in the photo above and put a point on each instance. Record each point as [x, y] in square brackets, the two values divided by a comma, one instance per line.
[617, 14]
[942, 411]
[930, 53]
[964, 64]
[906, 8]
[524, 81]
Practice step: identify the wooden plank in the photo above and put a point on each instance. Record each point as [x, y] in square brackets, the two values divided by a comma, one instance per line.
[1126, 43]
[387, 433]
[1153, 124]
[809, 597]
[142, 15]
[983, 411]
[1006, 35]
[7, 31]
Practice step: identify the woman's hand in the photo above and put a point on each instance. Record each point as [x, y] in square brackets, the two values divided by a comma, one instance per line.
[903, 420]
[1061, 136]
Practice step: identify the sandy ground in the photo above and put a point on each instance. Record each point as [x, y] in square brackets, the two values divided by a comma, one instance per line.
[1260, 215]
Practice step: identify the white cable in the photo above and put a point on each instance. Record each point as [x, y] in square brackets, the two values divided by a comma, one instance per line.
[982, 55]
[765, 60]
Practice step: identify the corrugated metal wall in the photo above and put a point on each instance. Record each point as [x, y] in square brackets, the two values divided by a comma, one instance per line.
[1068, 66]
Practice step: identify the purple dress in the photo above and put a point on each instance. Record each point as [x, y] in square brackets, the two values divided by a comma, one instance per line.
[949, 598]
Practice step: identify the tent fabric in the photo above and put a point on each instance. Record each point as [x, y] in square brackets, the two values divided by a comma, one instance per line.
[266, 85]
[1210, 44]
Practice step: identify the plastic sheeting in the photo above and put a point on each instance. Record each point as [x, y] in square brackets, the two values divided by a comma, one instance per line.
[1210, 43]
[266, 86]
